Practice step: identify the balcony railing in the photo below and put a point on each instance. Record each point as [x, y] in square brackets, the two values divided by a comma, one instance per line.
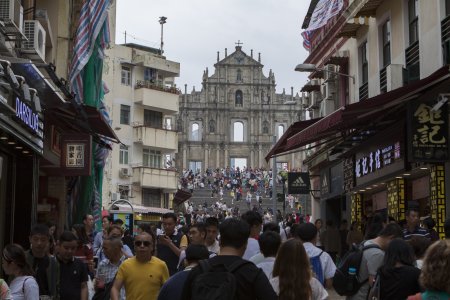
[166, 179]
[364, 91]
[383, 80]
[154, 86]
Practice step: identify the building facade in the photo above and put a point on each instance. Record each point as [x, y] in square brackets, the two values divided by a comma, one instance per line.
[232, 120]
[382, 144]
[143, 103]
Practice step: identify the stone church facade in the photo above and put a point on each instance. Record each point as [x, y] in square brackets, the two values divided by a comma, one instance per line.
[234, 117]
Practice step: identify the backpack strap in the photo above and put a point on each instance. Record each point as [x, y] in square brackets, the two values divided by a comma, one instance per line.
[205, 266]
[23, 285]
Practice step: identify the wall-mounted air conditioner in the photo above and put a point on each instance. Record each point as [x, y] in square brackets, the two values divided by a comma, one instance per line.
[124, 172]
[11, 13]
[329, 90]
[115, 196]
[315, 98]
[329, 73]
[35, 46]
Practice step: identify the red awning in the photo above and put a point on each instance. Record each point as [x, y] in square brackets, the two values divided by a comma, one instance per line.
[358, 115]
[295, 128]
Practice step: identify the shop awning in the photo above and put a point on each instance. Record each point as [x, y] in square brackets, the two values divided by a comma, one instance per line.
[311, 86]
[181, 196]
[360, 114]
[98, 123]
[295, 128]
[125, 208]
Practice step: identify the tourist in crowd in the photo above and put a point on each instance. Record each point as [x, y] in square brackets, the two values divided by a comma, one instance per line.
[372, 259]
[170, 242]
[428, 224]
[5, 292]
[413, 228]
[420, 245]
[355, 236]
[24, 286]
[435, 276]
[173, 288]
[269, 243]
[318, 224]
[292, 277]
[52, 233]
[399, 278]
[254, 220]
[73, 272]
[374, 226]
[108, 267]
[116, 232]
[44, 265]
[84, 251]
[89, 227]
[322, 264]
[100, 236]
[251, 283]
[142, 275]
[212, 231]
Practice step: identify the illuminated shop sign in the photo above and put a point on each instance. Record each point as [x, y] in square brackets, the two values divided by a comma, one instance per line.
[29, 117]
[428, 133]
[377, 160]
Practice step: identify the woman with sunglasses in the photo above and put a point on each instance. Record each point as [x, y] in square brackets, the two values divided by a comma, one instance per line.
[14, 263]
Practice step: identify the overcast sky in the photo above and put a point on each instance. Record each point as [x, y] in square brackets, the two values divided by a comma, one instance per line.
[197, 29]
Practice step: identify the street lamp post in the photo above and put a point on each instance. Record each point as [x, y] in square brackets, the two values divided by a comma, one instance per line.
[313, 68]
[274, 178]
[162, 21]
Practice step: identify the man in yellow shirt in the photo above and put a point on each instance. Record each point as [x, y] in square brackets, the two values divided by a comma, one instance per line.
[142, 275]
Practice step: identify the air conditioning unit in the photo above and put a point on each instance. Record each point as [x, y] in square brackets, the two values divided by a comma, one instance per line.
[35, 46]
[115, 196]
[328, 74]
[124, 173]
[329, 90]
[305, 101]
[11, 13]
[315, 97]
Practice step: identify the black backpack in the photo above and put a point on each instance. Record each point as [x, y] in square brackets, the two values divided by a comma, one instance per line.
[216, 282]
[344, 283]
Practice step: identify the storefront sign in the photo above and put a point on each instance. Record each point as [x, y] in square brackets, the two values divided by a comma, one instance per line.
[298, 183]
[349, 174]
[376, 160]
[27, 116]
[428, 132]
[76, 154]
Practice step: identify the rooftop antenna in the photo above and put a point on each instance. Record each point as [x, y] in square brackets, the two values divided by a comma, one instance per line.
[162, 21]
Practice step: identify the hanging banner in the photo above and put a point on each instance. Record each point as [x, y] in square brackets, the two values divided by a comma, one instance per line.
[325, 10]
[298, 183]
[427, 132]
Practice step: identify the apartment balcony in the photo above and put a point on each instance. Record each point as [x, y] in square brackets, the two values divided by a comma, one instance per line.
[148, 177]
[166, 67]
[157, 97]
[159, 138]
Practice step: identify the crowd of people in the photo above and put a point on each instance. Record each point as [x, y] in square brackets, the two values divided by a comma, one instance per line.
[237, 258]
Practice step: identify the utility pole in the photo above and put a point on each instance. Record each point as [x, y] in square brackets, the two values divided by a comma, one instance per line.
[274, 178]
[162, 21]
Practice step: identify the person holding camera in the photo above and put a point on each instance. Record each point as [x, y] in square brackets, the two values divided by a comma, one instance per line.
[170, 242]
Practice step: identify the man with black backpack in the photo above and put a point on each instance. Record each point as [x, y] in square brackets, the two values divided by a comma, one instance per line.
[357, 270]
[228, 276]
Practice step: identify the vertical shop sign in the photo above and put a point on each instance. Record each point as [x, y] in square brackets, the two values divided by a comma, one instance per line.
[427, 132]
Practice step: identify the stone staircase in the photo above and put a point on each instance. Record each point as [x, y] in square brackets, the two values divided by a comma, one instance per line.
[202, 195]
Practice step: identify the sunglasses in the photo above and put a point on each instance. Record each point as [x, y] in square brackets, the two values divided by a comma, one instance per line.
[140, 243]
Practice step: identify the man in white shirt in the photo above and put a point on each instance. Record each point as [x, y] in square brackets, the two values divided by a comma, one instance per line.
[254, 220]
[307, 233]
[269, 242]
[212, 231]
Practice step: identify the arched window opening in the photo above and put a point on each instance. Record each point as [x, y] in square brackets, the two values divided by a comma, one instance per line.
[238, 132]
[195, 132]
[238, 98]
[280, 130]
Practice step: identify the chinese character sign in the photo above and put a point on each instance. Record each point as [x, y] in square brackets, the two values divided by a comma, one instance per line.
[428, 132]
[377, 159]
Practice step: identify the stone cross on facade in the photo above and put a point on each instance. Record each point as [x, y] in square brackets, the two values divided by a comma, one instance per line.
[239, 43]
